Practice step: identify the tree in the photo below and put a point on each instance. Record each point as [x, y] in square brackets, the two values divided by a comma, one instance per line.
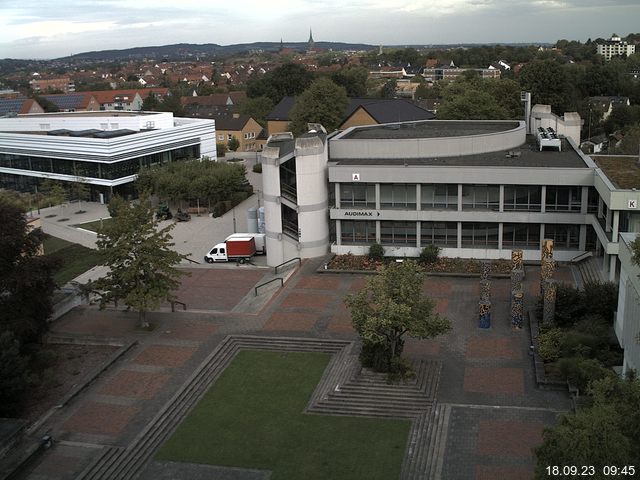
[233, 144]
[631, 141]
[323, 102]
[257, 108]
[388, 90]
[390, 306]
[150, 103]
[548, 83]
[14, 375]
[289, 79]
[471, 105]
[353, 79]
[54, 191]
[635, 251]
[26, 280]
[142, 271]
[607, 433]
[80, 190]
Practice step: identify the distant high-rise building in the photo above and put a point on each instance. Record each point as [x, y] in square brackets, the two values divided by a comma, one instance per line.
[615, 46]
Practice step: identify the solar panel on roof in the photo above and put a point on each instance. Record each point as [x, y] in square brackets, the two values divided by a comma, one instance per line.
[66, 102]
[12, 105]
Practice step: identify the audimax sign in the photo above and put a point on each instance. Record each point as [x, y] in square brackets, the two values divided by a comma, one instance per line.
[361, 213]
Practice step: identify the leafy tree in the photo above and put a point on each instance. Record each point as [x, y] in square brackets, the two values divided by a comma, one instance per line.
[26, 280]
[631, 141]
[353, 79]
[257, 108]
[142, 272]
[14, 375]
[221, 149]
[54, 191]
[471, 105]
[80, 191]
[607, 433]
[151, 103]
[635, 251]
[289, 79]
[233, 144]
[390, 306]
[388, 90]
[323, 102]
[548, 83]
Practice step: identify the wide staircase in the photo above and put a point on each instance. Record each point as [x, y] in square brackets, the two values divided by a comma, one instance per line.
[590, 270]
[344, 389]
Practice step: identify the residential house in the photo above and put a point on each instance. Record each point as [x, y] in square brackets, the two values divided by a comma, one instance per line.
[128, 100]
[16, 106]
[615, 46]
[606, 104]
[74, 102]
[244, 128]
[360, 111]
[39, 84]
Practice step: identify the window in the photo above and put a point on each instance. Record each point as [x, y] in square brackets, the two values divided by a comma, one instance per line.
[481, 197]
[221, 137]
[563, 199]
[443, 234]
[563, 236]
[439, 196]
[480, 235]
[592, 202]
[398, 196]
[229, 137]
[355, 232]
[398, 233]
[357, 195]
[522, 197]
[520, 235]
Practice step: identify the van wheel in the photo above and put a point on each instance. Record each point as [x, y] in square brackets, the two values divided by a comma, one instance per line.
[209, 260]
[241, 261]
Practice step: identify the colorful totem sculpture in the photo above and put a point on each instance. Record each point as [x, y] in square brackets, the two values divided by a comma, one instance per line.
[517, 290]
[484, 306]
[549, 301]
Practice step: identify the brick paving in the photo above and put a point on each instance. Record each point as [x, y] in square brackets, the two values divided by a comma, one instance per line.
[164, 355]
[497, 412]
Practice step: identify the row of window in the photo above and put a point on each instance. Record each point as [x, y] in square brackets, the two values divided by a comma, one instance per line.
[445, 234]
[474, 197]
[108, 171]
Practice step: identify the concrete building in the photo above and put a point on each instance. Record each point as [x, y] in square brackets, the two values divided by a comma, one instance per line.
[615, 47]
[477, 189]
[102, 149]
[627, 321]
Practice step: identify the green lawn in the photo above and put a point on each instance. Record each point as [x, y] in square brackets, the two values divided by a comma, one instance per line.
[93, 226]
[253, 418]
[75, 259]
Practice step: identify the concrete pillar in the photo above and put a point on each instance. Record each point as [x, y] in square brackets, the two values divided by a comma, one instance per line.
[378, 234]
[377, 196]
[338, 232]
[615, 226]
[459, 235]
[543, 201]
[584, 200]
[500, 232]
[418, 239]
[337, 194]
[501, 203]
[583, 238]
[612, 267]
[418, 197]
[459, 198]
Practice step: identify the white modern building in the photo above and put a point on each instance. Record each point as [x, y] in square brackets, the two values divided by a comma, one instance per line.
[477, 189]
[627, 322]
[615, 47]
[104, 149]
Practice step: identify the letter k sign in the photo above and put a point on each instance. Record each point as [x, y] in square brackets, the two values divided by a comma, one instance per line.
[633, 204]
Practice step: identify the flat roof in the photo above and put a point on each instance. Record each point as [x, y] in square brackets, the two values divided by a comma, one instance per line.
[99, 113]
[623, 171]
[430, 129]
[527, 155]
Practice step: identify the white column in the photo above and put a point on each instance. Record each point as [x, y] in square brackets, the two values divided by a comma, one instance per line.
[543, 201]
[615, 226]
[501, 203]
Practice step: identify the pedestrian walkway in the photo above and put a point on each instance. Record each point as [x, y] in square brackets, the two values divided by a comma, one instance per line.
[480, 422]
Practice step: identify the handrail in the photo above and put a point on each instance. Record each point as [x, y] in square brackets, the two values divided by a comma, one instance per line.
[192, 261]
[267, 283]
[581, 256]
[173, 305]
[288, 261]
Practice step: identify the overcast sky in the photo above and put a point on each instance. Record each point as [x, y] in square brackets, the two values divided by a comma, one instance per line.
[55, 28]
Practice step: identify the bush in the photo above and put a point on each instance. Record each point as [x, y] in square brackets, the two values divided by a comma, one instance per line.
[430, 254]
[257, 168]
[549, 344]
[377, 356]
[376, 252]
[14, 375]
[601, 298]
[221, 149]
[570, 306]
[582, 371]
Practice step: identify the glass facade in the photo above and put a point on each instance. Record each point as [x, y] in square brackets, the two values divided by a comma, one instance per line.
[521, 235]
[480, 235]
[354, 232]
[481, 197]
[398, 233]
[357, 195]
[439, 197]
[563, 236]
[526, 198]
[101, 170]
[443, 234]
[398, 196]
[563, 199]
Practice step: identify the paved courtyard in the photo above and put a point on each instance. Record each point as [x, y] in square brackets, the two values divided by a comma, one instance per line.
[497, 413]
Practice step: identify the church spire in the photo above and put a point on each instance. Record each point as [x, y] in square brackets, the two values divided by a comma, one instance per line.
[311, 46]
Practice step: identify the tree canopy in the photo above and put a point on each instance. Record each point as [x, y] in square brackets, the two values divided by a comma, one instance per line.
[323, 102]
[142, 265]
[472, 98]
[289, 79]
[390, 306]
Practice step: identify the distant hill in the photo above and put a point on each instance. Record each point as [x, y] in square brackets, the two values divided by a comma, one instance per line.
[190, 50]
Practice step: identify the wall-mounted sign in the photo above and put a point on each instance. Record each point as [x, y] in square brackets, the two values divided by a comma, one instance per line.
[361, 213]
[355, 177]
[632, 204]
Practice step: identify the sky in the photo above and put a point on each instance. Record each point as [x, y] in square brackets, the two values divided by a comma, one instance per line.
[46, 29]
